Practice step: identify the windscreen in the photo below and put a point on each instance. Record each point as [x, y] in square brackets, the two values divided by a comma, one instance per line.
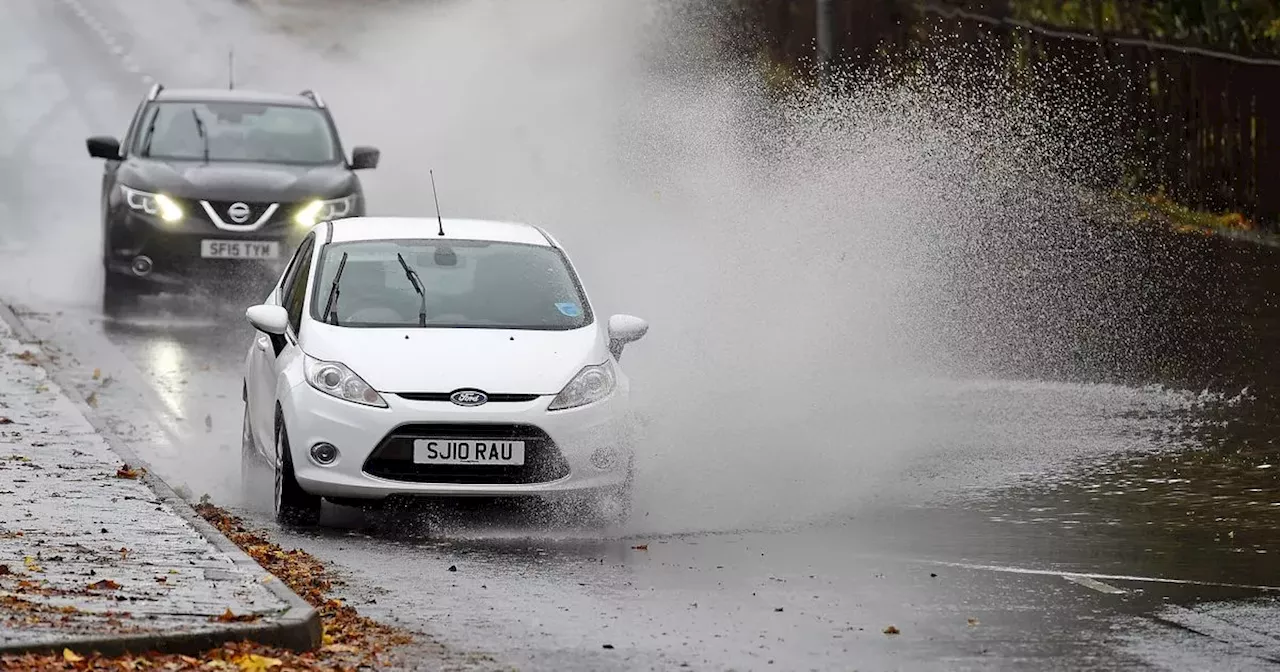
[466, 283]
[237, 132]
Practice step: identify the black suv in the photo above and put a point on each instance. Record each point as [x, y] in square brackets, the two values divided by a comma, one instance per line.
[216, 185]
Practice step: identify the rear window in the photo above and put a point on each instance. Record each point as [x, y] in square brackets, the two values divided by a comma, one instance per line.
[468, 284]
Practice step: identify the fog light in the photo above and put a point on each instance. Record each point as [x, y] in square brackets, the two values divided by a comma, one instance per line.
[604, 459]
[324, 454]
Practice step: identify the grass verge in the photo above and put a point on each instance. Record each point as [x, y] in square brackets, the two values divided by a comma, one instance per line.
[351, 641]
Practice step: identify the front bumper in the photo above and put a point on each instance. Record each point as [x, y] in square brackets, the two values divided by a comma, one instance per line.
[177, 250]
[572, 452]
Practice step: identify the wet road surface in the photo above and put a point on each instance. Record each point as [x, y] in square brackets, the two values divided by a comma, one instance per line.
[1027, 524]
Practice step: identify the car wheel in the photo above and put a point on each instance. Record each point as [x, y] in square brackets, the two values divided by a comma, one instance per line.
[251, 462]
[293, 505]
[118, 295]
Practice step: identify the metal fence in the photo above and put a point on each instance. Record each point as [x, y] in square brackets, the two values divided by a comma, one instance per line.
[1202, 125]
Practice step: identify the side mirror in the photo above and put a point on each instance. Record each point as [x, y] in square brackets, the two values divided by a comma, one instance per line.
[103, 147]
[365, 158]
[624, 329]
[268, 319]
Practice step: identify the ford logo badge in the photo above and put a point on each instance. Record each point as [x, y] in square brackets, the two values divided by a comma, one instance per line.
[469, 397]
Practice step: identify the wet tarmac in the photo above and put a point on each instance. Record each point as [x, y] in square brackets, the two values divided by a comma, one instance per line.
[1028, 524]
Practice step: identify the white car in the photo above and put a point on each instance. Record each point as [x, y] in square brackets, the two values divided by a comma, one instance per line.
[440, 358]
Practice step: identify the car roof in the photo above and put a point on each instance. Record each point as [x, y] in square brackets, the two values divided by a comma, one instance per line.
[235, 96]
[352, 229]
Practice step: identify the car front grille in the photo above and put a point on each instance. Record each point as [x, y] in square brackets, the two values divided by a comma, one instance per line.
[491, 398]
[392, 459]
[281, 213]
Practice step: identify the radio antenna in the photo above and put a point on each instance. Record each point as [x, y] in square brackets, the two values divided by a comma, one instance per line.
[436, 196]
[231, 69]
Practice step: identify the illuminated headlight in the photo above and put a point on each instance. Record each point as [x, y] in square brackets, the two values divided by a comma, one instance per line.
[592, 384]
[153, 204]
[323, 211]
[336, 380]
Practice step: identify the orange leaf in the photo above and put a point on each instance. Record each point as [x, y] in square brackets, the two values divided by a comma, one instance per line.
[105, 584]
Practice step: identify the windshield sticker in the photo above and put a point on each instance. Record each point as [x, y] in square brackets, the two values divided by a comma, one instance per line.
[569, 309]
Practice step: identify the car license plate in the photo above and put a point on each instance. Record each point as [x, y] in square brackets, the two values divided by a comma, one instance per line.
[453, 451]
[239, 249]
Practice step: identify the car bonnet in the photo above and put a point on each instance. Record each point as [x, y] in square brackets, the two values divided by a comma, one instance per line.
[437, 360]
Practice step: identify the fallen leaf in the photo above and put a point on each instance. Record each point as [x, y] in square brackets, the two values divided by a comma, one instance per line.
[105, 584]
[892, 630]
[92, 399]
[229, 617]
[453, 568]
[5, 421]
[641, 547]
[608, 646]
[127, 472]
[124, 554]
[97, 374]
[973, 622]
[252, 662]
[5, 571]
[70, 656]
[30, 562]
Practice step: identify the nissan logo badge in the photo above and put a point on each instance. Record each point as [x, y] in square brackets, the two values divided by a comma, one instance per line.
[468, 397]
[238, 212]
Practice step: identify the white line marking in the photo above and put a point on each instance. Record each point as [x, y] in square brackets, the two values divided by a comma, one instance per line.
[1091, 575]
[1094, 584]
[148, 80]
[116, 49]
[132, 68]
[1219, 629]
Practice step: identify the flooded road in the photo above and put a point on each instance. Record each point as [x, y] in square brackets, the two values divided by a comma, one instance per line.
[1122, 515]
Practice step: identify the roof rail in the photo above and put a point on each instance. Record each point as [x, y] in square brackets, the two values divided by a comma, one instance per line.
[155, 91]
[315, 97]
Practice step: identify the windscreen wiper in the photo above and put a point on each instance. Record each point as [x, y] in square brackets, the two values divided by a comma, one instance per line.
[417, 287]
[333, 293]
[204, 134]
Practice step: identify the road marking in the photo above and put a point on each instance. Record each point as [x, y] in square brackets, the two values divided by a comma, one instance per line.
[1094, 584]
[1222, 630]
[109, 39]
[1096, 576]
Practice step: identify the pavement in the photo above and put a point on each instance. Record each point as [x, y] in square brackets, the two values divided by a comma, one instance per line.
[99, 556]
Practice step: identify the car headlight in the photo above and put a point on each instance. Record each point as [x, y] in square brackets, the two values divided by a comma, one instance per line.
[152, 204]
[323, 211]
[592, 384]
[336, 380]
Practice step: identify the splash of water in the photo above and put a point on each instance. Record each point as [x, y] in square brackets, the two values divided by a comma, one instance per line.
[816, 266]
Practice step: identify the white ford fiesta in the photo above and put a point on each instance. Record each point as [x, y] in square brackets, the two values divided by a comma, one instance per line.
[439, 358]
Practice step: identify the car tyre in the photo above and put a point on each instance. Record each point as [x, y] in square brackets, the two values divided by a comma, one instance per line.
[252, 465]
[294, 506]
[118, 295]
